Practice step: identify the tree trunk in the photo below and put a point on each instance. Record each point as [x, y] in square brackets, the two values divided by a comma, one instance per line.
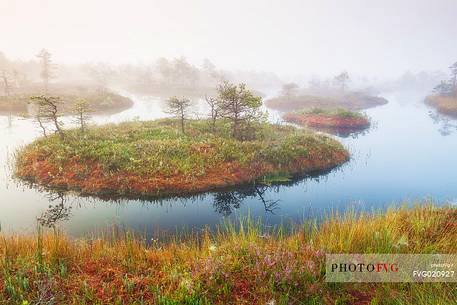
[59, 130]
[182, 121]
[41, 126]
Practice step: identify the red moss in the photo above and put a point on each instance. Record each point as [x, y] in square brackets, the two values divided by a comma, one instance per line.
[88, 177]
[323, 120]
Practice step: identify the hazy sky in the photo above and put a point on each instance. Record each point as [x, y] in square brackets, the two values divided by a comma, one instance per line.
[383, 37]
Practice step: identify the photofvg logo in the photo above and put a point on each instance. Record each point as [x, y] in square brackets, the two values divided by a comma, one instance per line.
[391, 267]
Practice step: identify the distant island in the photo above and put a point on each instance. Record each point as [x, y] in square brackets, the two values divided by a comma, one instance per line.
[444, 98]
[100, 100]
[339, 120]
[350, 101]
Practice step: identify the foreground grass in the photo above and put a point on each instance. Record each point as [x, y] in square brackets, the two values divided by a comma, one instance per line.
[239, 264]
[156, 159]
[444, 104]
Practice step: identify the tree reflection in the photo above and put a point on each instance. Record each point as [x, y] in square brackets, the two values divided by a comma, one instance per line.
[226, 202]
[446, 125]
[56, 212]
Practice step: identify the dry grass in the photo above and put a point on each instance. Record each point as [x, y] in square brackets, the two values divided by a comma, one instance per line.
[444, 104]
[242, 263]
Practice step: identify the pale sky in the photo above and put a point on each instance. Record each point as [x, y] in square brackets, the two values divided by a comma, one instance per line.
[374, 37]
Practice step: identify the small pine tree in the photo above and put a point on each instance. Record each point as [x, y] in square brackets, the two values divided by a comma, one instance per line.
[179, 108]
[81, 113]
[240, 106]
[214, 111]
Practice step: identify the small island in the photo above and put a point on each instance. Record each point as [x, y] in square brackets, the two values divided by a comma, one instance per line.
[444, 99]
[17, 88]
[351, 101]
[154, 159]
[328, 94]
[176, 156]
[337, 120]
[99, 100]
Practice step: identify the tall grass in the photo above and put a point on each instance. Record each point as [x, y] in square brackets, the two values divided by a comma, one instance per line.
[240, 263]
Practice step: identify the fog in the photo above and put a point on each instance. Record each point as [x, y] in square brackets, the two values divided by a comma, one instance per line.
[294, 39]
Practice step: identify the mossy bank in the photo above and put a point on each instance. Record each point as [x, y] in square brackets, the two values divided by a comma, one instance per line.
[320, 118]
[154, 159]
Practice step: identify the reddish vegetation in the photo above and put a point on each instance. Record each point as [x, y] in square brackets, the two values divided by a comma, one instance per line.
[322, 120]
[250, 265]
[89, 178]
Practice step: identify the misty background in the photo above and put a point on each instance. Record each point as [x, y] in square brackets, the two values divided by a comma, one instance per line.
[275, 40]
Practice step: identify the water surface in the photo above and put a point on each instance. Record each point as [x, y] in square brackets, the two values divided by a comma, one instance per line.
[409, 154]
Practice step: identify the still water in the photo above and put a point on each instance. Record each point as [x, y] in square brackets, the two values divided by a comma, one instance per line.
[409, 154]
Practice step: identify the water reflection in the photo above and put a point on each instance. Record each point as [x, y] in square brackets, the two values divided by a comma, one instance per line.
[226, 202]
[446, 124]
[353, 133]
[55, 213]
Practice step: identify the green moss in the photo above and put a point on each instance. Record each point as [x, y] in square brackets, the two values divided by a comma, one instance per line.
[157, 147]
[339, 113]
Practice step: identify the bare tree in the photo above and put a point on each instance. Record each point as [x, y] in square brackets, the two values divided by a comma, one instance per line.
[48, 112]
[179, 108]
[239, 105]
[289, 90]
[81, 113]
[342, 79]
[47, 68]
[214, 108]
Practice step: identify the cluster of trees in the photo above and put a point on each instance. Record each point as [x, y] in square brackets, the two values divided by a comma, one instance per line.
[9, 76]
[16, 75]
[233, 103]
[448, 87]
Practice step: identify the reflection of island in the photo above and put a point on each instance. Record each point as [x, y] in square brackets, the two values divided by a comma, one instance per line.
[446, 125]
[224, 202]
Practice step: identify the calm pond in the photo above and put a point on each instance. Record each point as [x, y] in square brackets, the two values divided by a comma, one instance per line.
[409, 154]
